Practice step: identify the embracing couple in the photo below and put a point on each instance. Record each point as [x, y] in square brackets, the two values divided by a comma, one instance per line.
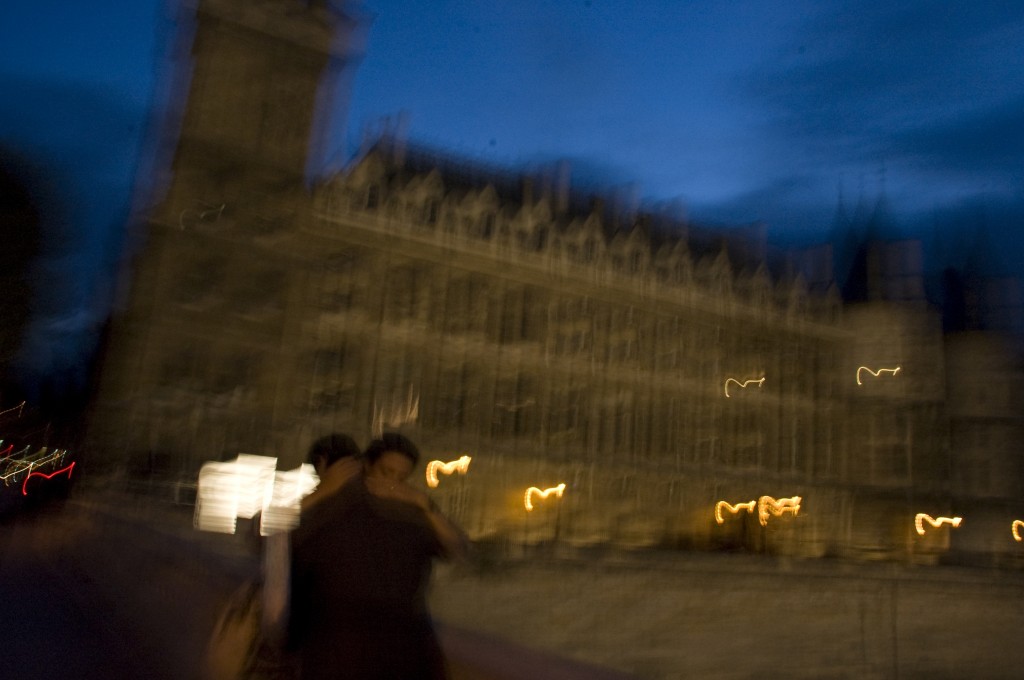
[360, 562]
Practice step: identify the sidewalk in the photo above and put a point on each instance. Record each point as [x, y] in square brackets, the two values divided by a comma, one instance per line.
[474, 656]
[164, 545]
[667, 615]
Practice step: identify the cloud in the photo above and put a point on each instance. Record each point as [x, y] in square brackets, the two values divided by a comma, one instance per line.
[915, 101]
[987, 142]
[795, 207]
[860, 73]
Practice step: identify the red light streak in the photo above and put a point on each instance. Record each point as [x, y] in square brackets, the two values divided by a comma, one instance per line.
[24, 485]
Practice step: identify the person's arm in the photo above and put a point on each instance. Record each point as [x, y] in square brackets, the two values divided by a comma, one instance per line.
[276, 587]
[453, 540]
[335, 477]
[454, 544]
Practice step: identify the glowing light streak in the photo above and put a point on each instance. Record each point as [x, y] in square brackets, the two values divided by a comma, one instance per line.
[24, 485]
[218, 211]
[16, 465]
[894, 371]
[30, 463]
[12, 457]
[921, 518]
[461, 466]
[766, 505]
[17, 408]
[527, 497]
[19, 466]
[1013, 529]
[395, 416]
[760, 383]
[734, 509]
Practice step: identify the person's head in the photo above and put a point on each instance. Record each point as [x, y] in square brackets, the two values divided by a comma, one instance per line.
[328, 450]
[393, 457]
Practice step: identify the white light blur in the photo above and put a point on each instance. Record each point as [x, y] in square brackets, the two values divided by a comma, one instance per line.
[281, 510]
[247, 485]
[217, 498]
[255, 482]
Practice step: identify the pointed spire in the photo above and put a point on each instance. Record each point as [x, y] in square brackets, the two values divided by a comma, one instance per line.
[847, 235]
[841, 221]
[980, 259]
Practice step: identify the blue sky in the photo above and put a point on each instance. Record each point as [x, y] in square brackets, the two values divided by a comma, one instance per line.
[745, 111]
[742, 111]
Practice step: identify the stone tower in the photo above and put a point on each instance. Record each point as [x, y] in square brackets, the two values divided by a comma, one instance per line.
[195, 358]
[262, 79]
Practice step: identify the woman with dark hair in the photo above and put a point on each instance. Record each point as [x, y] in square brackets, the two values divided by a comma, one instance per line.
[389, 462]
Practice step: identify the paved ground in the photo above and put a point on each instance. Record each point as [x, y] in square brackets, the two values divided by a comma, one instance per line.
[123, 588]
[737, 617]
[94, 590]
[54, 622]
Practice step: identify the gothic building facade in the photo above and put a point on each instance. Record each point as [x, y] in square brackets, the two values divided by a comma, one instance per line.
[654, 367]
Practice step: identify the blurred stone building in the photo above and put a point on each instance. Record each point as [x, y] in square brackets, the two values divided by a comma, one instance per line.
[652, 366]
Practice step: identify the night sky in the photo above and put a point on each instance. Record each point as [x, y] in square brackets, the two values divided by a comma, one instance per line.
[741, 112]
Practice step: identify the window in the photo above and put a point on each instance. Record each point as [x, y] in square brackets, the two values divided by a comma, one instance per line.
[328, 361]
[512, 318]
[183, 369]
[449, 223]
[589, 250]
[487, 226]
[260, 294]
[401, 294]
[430, 211]
[541, 239]
[636, 261]
[199, 285]
[332, 399]
[623, 424]
[232, 373]
[514, 406]
[759, 294]
[372, 197]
